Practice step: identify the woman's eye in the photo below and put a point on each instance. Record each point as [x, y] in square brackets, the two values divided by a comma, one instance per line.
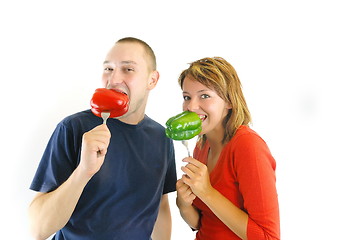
[204, 96]
[186, 98]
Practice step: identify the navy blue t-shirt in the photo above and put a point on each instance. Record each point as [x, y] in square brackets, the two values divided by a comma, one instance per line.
[121, 201]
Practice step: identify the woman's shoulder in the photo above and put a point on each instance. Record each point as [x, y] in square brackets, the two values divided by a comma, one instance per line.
[245, 134]
[247, 145]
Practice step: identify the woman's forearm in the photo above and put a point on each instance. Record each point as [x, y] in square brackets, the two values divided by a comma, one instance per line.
[190, 215]
[233, 217]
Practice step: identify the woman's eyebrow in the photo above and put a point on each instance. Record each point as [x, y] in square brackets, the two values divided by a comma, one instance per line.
[200, 91]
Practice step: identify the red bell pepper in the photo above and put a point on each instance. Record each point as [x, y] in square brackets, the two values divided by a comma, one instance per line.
[109, 100]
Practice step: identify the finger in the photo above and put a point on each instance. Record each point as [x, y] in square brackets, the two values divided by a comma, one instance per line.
[180, 185]
[187, 180]
[101, 130]
[192, 167]
[185, 191]
[101, 127]
[102, 151]
[189, 198]
[192, 197]
[102, 135]
[98, 144]
[188, 173]
[193, 161]
[97, 136]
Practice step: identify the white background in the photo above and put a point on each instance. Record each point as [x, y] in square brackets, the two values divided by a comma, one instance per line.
[298, 62]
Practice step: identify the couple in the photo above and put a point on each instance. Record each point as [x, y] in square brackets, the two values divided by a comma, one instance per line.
[227, 190]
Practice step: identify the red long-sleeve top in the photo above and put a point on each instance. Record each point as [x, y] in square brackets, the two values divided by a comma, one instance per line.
[244, 174]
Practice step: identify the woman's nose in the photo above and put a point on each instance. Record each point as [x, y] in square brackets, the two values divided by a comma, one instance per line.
[192, 105]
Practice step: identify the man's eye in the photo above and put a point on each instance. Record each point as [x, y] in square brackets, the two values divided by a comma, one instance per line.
[128, 69]
[108, 69]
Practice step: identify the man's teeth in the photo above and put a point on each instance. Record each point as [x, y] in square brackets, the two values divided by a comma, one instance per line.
[120, 91]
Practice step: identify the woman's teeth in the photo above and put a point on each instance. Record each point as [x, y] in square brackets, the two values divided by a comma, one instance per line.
[202, 117]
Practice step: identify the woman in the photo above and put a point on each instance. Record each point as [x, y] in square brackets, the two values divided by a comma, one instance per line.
[228, 190]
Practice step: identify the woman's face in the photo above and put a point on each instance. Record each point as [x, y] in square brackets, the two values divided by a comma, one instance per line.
[207, 104]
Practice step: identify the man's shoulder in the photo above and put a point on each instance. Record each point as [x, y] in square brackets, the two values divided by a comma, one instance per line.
[152, 123]
[78, 116]
[84, 120]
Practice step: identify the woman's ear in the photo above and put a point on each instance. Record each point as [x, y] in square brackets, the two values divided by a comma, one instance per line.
[228, 105]
[155, 75]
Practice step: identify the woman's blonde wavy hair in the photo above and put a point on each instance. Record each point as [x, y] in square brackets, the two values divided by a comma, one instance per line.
[219, 75]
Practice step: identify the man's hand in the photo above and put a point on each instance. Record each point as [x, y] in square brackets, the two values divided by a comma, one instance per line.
[94, 148]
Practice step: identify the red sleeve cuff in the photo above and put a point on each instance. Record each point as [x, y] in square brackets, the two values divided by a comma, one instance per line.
[255, 232]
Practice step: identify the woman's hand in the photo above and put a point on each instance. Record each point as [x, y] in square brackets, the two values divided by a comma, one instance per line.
[196, 177]
[184, 201]
[185, 196]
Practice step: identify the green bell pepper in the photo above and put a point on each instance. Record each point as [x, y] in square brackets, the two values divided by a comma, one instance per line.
[183, 126]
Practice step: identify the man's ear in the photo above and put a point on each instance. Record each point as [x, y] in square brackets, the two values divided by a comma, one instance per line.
[155, 75]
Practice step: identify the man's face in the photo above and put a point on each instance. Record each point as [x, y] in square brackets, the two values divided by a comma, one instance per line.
[126, 69]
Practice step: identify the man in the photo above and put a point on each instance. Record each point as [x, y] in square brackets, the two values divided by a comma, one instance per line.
[103, 182]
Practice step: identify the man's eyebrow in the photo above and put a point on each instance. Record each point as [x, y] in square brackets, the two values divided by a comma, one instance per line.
[122, 62]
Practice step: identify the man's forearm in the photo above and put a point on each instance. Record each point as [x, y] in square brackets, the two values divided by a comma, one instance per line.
[163, 226]
[49, 212]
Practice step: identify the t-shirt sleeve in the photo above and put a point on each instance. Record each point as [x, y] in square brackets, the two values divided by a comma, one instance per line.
[58, 161]
[171, 175]
[255, 170]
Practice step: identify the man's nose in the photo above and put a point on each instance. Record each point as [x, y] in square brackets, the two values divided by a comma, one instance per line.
[115, 79]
